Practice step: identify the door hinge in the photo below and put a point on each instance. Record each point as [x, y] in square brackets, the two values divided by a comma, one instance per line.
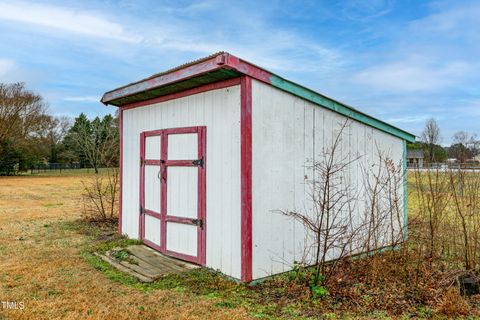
[142, 161]
[142, 211]
[198, 162]
[198, 222]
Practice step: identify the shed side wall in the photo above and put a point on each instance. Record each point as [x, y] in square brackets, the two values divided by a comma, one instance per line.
[288, 133]
[219, 111]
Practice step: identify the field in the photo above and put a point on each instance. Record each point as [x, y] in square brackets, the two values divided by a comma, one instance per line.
[43, 267]
[48, 271]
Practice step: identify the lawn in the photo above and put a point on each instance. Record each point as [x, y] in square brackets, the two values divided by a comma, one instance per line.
[48, 269]
[44, 266]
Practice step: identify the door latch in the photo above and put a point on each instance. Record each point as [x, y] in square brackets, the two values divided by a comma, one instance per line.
[198, 162]
[198, 222]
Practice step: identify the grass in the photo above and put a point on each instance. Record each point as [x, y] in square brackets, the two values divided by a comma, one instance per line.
[48, 263]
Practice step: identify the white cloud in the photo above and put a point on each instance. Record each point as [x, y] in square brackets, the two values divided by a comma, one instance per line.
[413, 76]
[360, 10]
[459, 19]
[6, 66]
[82, 99]
[277, 49]
[409, 119]
[65, 19]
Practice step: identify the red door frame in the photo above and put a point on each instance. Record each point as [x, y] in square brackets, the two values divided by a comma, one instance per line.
[164, 217]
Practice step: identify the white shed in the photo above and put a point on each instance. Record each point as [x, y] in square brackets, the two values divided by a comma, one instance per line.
[210, 149]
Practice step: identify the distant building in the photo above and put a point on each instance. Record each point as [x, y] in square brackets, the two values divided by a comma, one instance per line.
[415, 158]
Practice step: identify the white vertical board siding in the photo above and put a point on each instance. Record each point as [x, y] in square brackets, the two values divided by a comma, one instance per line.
[219, 111]
[288, 134]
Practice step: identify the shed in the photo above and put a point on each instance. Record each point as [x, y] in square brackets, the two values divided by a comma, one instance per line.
[415, 158]
[210, 150]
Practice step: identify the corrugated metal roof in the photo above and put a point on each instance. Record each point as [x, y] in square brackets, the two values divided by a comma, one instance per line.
[222, 66]
[182, 66]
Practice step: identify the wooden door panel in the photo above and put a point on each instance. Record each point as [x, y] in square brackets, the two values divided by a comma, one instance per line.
[182, 238]
[152, 230]
[152, 186]
[152, 147]
[182, 192]
[183, 146]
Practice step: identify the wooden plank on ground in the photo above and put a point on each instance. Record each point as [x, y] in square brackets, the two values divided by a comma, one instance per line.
[181, 263]
[159, 262]
[157, 259]
[124, 269]
[154, 274]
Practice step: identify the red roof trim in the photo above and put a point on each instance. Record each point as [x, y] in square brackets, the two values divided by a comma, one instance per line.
[221, 61]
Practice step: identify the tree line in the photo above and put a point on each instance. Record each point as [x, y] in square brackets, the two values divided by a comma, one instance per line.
[464, 147]
[30, 136]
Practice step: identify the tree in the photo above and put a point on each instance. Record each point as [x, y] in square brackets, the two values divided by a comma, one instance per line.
[56, 132]
[460, 152]
[9, 158]
[23, 118]
[464, 146]
[96, 141]
[431, 137]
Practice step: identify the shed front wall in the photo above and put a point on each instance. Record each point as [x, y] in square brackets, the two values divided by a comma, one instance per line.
[219, 111]
[288, 133]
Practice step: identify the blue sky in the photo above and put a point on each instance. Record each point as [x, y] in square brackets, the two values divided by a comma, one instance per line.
[402, 61]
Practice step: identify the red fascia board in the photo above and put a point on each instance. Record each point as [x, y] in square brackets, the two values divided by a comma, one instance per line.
[242, 66]
[224, 60]
[174, 76]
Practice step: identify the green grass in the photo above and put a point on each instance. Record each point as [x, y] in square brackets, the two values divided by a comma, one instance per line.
[202, 282]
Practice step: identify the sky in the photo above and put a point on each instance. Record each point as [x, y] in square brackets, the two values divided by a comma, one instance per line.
[402, 61]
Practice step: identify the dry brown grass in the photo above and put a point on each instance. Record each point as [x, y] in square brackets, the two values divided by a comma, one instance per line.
[41, 263]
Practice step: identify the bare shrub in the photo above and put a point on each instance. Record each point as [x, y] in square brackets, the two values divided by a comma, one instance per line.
[433, 196]
[330, 225]
[465, 190]
[383, 185]
[100, 196]
[453, 304]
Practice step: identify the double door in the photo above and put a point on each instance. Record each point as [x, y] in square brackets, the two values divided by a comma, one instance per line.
[172, 192]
